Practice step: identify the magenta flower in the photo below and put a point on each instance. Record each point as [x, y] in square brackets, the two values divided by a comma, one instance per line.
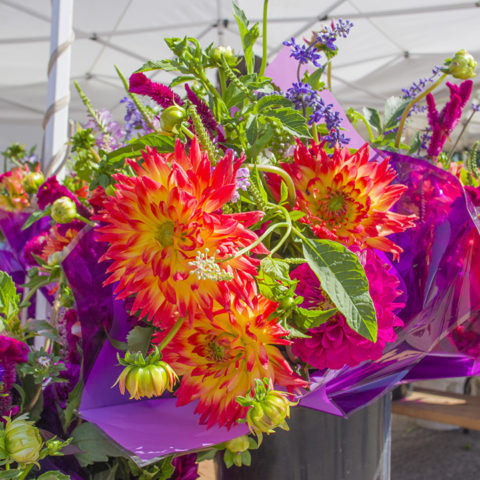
[163, 95]
[50, 191]
[334, 344]
[33, 247]
[186, 467]
[443, 123]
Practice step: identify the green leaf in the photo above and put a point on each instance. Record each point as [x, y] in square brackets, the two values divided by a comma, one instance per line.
[283, 192]
[296, 215]
[343, 278]
[393, 109]
[9, 299]
[416, 144]
[373, 118]
[52, 475]
[272, 101]
[291, 121]
[248, 36]
[15, 473]
[73, 403]
[139, 338]
[152, 65]
[95, 446]
[37, 215]
[276, 269]
[314, 318]
[107, 474]
[206, 455]
[252, 129]
[314, 79]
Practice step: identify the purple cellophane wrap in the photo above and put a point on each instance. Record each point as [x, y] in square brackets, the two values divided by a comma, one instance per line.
[438, 272]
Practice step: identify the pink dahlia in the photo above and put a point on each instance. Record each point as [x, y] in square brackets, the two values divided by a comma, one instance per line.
[334, 344]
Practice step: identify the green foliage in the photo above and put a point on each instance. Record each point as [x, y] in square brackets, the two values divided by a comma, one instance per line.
[161, 470]
[94, 445]
[139, 338]
[343, 278]
[248, 36]
[9, 299]
[42, 365]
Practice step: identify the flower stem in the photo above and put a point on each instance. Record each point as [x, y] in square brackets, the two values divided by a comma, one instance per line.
[25, 472]
[315, 132]
[173, 331]
[329, 75]
[404, 116]
[264, 39]
[85, 220]
[452, 150]
[292, 196]
[287, 233]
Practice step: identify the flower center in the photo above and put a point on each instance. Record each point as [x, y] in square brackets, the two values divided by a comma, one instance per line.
[336, 202]
[216, 352]
[164, 234]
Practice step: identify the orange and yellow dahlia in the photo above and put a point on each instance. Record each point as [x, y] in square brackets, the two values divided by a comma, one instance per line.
[346, 197]
[170, 244]
[220, 358]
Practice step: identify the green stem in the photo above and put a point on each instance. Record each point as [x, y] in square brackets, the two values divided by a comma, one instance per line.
[25, 472]
[278, 171]
[141, 108]
[187, 132]
[173, 331]
[299, 234]
[315, 132]
[93, 113]
[202, 134]
[85, 220]
[286, 234]
[264, 39]
[95, 155]
[35, 398]
[452, 150]
[223, 81]
[329, 75]
[403, 118]
[367, 125]
[245, 250]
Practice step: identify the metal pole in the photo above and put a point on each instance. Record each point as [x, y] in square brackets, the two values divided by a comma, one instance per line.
[55, 121]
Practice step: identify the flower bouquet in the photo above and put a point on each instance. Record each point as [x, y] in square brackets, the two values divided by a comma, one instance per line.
[231, 252]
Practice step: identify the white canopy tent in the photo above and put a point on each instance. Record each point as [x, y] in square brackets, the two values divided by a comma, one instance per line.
[391, 45]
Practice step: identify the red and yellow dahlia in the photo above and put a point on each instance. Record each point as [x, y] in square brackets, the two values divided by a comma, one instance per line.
[220, 358]
[346, 197]
[167, 234]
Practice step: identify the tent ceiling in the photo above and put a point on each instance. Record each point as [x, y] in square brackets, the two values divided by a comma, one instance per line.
[391, 45]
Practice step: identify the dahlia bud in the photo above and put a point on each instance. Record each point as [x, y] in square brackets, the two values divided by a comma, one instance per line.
[32, 181]
[236, 451]
[170, 118]
[64, 210]
[268, 410]
[461, 66]
[227, 53]
[20, 441]
[145, 377]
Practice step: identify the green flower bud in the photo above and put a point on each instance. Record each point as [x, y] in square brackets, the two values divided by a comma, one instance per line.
[227, 53]
[461, 66]
[21, 441]
[32, 181]
[268, 410]
[171, 118]
[145, 377]
[64, 210]
[239, 444]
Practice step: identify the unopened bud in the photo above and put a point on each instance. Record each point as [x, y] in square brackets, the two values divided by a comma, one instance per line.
[461, 66]
[145, 377]
[227, 53]
[21, 441]
[171, 118]
[239, 444]
[64, 210]
[32, 181]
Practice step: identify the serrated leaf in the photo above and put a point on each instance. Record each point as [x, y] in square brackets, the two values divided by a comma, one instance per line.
[9, 299]
[296, 215]
[35, 216]
[314, 318]
[291, 121]
[276, 269]
[139, 338]
[73, 403]
[344, 280]
[15, 473]
[393, 109]
[154, 65]
[283, 192]
[373, 118]
[95, 446]
[272, 101]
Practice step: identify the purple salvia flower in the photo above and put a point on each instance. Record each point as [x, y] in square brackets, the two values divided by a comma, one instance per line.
[303, 53]
[113, 138]
[135, 124]
[243, 182]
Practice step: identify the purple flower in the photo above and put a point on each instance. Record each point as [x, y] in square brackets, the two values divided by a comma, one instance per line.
[135, 124]
[303, 53]
[243, 182]
[113, 138]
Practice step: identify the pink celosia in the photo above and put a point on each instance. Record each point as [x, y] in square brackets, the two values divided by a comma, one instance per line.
[334, 344]
[443, 123]
[161, 94]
